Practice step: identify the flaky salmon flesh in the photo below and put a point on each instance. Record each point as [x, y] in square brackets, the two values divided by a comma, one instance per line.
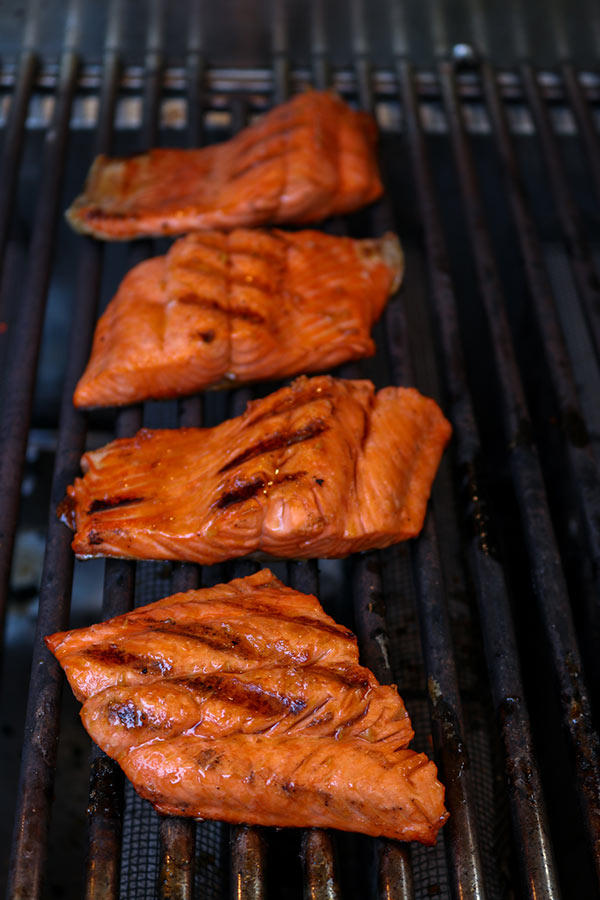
[307, 159]
[225, 308]
[245, 702]
[322, 468]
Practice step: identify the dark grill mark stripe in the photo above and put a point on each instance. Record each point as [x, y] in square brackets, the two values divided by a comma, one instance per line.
[262, 138]
[240, 493]
[101, 505]
[97, 212]
[115, 656]
[232, 277]
[246, 490]
[203, 302]
[214, 638]
[250, 696]
[246, 313]
[338, 630]
[272, 259]
[278, 153]
[295, 400]
[234, 312]
[277, 441]
[354, 677]
[194, 266]
[257, 608]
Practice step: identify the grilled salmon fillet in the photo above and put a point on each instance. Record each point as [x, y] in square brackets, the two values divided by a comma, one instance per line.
[224, 308]
[322, 468]
[307, 159]
[245, 702]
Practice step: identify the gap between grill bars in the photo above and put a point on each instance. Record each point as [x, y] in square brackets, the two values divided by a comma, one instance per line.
[491, 584]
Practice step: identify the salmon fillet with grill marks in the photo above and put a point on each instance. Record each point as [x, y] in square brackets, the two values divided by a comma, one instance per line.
[307, 159]
[322, 468]
[246, 702]
[222, 308]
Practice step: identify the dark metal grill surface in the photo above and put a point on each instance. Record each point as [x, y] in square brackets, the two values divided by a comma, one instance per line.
[492, 182]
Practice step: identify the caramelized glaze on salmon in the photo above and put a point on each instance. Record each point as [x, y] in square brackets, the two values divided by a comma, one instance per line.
[307, 159]
[322, 468]
[294, 733]
[239, 307]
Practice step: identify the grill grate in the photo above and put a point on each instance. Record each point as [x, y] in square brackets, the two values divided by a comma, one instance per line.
[496, 577]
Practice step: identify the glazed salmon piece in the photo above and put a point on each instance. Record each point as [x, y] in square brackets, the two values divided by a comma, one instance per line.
[318, 742]
[321, 468]
[222, 309]
[309, 158]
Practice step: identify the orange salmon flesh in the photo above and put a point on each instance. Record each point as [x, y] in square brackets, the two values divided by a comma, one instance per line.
[222, 309]
[322, 468]
[307, 159]
[245, 702]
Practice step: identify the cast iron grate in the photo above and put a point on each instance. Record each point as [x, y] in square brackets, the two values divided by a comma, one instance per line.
[484, 613]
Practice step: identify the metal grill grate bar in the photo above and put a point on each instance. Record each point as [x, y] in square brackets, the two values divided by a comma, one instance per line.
[394, 871]
[436, 640]
[585, 122]
[395, 874]
[502, 656]
[320, 878]
[23, 348]
[177, 841]
[102, 876]
[106, 779]
[586, 277]
[395, 880]
[15, 128]
[39, 749]
[248, 845]
[177, 836]
[318, 42]
[248, 863]
[581, 459]
[549, 582]
[448, 728]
